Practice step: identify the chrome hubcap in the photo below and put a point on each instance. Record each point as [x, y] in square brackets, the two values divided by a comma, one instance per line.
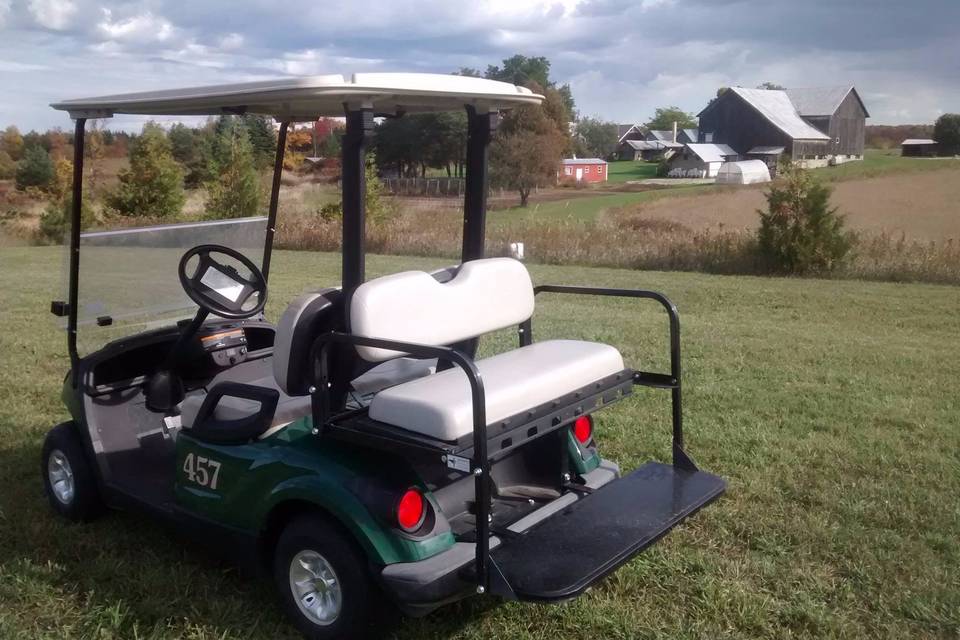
[315, 587]
[61, 477]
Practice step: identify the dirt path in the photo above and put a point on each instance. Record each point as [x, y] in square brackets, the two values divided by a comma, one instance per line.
[923, 206]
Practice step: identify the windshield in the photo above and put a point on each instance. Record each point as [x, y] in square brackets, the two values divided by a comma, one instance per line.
[128, 277]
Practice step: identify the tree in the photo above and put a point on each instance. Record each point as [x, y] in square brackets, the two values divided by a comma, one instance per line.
[35, 169]
[236, 193]
[597, 137]
[183, 143]
[12, 143]
[153, 184]
[526, 150]
[55, 219]
[800, 233]
[664, 117]
[772, 86]
[946, 132]
[8, 168]
[529, 72]
[263, 139]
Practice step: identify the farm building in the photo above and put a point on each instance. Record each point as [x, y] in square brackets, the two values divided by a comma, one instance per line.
[743, 172]
[629, 132]
[583, 170]
[702, 160]
[815, 127]
[637, 144]
[918, 147]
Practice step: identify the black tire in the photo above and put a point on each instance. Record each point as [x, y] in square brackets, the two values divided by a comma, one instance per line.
[364, 612]
[84, 503]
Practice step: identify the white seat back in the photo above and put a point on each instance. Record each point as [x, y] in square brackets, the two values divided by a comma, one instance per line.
[412, 306]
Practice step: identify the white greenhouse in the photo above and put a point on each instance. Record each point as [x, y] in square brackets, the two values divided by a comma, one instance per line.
[743, 172]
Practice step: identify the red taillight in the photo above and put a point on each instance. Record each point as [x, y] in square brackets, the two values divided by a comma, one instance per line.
[583, 429]
[411, 510]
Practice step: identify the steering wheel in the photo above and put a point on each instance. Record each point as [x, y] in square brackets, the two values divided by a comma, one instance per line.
[219, 288]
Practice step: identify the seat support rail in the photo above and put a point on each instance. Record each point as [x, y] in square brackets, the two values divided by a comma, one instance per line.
[656, 380]
[320, 401]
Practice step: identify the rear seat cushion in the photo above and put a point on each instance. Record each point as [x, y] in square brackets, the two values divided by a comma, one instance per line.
[440, 406]
[484, 295]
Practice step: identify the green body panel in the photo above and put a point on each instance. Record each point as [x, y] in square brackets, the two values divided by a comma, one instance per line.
[584, 459]
[295, 465]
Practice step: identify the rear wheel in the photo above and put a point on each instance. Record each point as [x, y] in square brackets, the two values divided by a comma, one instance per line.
[324, 583]
[67, 475]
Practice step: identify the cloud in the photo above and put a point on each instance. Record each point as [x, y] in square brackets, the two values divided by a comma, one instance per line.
[52, 14]
[622, 58]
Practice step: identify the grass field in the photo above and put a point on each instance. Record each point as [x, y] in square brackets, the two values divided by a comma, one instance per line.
[831, 407]
[881, 162]
[624, 170]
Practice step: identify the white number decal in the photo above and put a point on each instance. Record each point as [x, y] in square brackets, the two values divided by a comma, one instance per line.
[202, 471]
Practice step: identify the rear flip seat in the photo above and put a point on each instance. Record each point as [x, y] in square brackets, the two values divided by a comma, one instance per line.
[484, 296]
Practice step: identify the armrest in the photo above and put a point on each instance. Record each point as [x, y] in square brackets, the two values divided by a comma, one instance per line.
[208, 428]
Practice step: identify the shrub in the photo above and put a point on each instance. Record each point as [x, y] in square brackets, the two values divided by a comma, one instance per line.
[663, 168]
[236, 193]
[378, 209]
[35, 170]
[54, 221]
[153, 185]
[801, 233]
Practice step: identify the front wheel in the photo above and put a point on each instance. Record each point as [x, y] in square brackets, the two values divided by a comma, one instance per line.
[67, 475]
[324, 583]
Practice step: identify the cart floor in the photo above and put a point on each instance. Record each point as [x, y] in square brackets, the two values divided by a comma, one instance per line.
[566, 553]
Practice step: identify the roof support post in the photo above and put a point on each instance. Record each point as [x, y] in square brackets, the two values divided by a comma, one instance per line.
[354, 188]
[480, 129]
[274, 197]
[76, 209]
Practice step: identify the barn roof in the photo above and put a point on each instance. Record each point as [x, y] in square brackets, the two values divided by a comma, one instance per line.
[917, 141]
[821, 101]
[766, 151]
[313, 96]
[693, 134]
[775, 106]
[709, 152]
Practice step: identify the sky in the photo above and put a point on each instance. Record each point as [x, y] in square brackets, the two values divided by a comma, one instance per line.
[622, 58]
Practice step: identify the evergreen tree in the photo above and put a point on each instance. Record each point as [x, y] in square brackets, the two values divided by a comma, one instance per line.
[153, 185]
[35, 169]
[236, 193]
[800, 233]
[263, 139]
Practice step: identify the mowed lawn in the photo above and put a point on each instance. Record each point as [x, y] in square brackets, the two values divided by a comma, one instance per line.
[830, 406]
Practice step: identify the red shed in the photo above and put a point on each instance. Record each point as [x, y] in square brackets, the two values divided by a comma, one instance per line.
[583, 170]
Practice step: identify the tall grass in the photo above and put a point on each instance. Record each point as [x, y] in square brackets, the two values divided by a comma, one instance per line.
[625, 240]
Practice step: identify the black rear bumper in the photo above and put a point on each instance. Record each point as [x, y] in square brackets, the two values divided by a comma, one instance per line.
[564, 554]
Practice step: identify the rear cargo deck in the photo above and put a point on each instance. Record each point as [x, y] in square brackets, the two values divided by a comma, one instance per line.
[562, 556]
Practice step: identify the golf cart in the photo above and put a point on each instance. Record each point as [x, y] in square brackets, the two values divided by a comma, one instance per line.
[359, 451]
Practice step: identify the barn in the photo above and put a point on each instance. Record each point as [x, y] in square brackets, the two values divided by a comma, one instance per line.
[583, 170]
[702, 160]
[918, 147]
[814, 127]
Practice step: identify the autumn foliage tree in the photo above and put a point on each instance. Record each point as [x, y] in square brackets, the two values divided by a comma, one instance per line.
[529, 145]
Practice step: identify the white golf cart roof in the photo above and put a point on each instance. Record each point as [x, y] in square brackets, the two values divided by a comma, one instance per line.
[310, 97]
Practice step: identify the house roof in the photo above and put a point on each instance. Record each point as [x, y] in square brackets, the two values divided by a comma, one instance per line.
[663, 136]
[821, 101]
[653, 145]
[624, 129]
[709, 152]
[313, 96]
[775, 106]
[917, 141]
[584, 161]
[693, 134]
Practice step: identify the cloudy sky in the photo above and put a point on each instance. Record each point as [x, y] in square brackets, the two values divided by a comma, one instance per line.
[623, 58]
